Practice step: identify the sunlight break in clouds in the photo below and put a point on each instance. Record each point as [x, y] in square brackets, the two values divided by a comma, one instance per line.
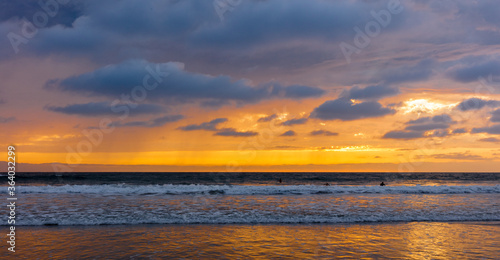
[420, 106]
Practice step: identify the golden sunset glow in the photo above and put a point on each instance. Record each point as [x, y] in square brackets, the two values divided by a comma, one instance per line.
[299, 98]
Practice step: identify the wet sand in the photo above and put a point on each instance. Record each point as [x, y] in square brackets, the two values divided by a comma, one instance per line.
[412, 240]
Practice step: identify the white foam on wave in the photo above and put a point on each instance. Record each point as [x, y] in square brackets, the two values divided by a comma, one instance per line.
[124, 189]
[239, 218]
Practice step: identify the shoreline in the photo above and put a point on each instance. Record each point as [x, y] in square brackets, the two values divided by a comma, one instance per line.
[490, 222]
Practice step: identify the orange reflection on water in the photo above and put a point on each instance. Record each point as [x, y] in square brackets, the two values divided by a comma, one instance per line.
[442, 240]
[415, 240]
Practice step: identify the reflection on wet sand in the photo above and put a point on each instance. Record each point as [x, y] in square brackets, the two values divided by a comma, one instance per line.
[414, 240]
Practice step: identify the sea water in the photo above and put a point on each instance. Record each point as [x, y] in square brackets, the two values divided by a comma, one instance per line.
[253, 215]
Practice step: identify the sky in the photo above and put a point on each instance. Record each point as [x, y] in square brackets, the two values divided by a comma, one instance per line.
[251, 85]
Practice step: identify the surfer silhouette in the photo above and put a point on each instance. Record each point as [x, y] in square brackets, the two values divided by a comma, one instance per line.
[279, 180]
[382, 184]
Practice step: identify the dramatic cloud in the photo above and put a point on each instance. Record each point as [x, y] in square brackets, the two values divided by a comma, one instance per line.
[212, 126]
[370, 93]
[459, 131]
[440, 133]
[471, 68]
[444, 118]
[288, 133]
[190, 29]
[495, 116]
[476, 103]
[157, 122]
[65, 13]
[261, 20]
[346, 110]
[298, 92]
[208, 126]
[417, 128]
[267, 118]
[169, 81]
[427, 127]
[403, 135]
[490, 140]
[406, 73]
[323, 132]
[106, 108]
[235, 133]
[298, 121]
[494, 130]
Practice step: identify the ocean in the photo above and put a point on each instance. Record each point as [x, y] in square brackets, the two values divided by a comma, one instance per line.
[315, 207]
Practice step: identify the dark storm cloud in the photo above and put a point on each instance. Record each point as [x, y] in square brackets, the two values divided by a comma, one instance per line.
[438, 124]
[61, 12]
[266, 21]
[298, 121]
[298, 92]
[406, 73]
[473, 22]
[97, 31]
[213, 126]
[483, 13]
[215, 104]
[323, 132]
[403, 134]
[156, 122]
[371, 92]
[459, 131]
[166, 119]
[427, 127]
[105, 108]
[288, 133]
[421, 120]
[235, 133]
[490, 140]
[494, 130]
[476, 103]
[267, 118]
[169, 18]
[191, 30]
[440, 133]
[471, 68]
[346, 110]
[495, 116]
[174, 82]
[444, 118]
[208, 126]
